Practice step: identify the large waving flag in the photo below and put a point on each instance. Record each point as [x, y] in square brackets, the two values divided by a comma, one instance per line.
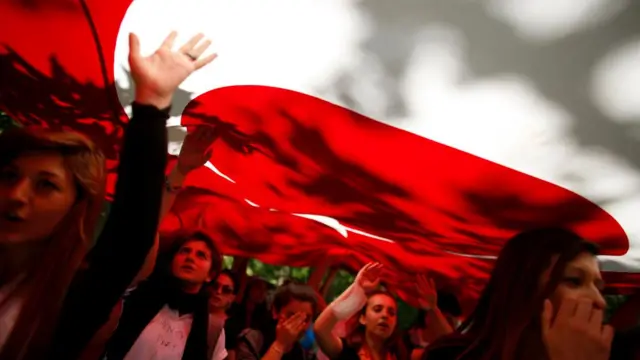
[422, 134]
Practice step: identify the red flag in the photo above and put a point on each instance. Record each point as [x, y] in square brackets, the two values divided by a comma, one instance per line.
[326, 170]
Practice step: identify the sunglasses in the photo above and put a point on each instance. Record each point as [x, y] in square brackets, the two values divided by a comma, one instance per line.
[224, 289]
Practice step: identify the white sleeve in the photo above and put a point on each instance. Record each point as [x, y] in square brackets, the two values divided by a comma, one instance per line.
[220, 352]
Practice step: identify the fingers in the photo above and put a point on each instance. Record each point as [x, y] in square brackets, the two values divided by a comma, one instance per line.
[583, 311]
[188, 47]
[204, 61]
[596, 319]
[296, 322]
[607, 334]
[200, 49]
[567, 310]
[373, 267]
[168, 41]
[134, 46]
[547, 314]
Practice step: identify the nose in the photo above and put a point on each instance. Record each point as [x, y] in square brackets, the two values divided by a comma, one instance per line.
[19, 192]
[598, 300]
[189, 258]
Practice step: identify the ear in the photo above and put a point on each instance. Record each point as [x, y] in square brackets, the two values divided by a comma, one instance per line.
[274, 313]
[362, 319]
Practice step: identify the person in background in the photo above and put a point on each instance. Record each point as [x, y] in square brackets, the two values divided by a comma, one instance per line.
[372, 331]
[167, 316]
[552, 310]
[432, 322]
[294, 307]
[222, 293]
[250, 312]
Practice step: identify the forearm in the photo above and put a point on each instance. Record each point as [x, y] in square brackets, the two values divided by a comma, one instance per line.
[275, 352]
[438, 322]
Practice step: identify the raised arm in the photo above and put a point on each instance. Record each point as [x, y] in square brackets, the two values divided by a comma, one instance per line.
[349, 303]
[438, 324]
[130, 230]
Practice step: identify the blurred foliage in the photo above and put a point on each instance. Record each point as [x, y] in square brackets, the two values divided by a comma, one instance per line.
[613, 303]
[6, 122]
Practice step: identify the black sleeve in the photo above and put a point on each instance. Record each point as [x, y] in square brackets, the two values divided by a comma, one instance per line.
[127, 236]
[348, 352]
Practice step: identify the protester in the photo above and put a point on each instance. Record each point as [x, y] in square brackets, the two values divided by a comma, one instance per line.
[167, 316]
[51, 195]
[372, 332]
[552, 309]
[193, 154]
[294, 307]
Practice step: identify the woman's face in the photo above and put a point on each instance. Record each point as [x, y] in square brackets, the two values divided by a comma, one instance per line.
[380, 316]
[36, 193]
[581, 280]
[192, 263]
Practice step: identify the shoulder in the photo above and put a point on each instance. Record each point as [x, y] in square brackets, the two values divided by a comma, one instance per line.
[252, 336]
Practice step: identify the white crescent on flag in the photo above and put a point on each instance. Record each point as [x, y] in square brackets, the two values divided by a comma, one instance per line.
[530, 85]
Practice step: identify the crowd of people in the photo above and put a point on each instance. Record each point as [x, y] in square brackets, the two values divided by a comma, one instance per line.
[135, 295]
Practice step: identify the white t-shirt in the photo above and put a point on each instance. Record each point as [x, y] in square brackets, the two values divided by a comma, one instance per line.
[165, 338]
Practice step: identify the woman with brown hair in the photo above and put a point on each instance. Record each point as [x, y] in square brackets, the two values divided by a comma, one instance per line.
[542, 301]
[371, 315]
[51, 194]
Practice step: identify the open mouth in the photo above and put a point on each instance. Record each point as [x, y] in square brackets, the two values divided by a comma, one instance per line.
[383, 326]
[187, 267]
[13, 218]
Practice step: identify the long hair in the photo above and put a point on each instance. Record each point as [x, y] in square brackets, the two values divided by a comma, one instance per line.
[506, 321]
[356, 331]
[47, 283]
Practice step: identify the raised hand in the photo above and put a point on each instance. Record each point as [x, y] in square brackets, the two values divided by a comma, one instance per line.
[288, 331]
[194, 152]
[428, 294]
[577, 332]
[369, 277]
[158, 76]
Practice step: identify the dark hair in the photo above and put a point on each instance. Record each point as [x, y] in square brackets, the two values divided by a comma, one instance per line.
[232, 277]
[356, 331]
[292, 291]
[505, 323]
[178, 240]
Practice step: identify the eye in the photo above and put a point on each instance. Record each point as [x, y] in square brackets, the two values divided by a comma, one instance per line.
[573, 280]
[48, 185]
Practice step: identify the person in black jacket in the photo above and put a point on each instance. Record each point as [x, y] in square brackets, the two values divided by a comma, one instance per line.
[51, 193]
[167, 316]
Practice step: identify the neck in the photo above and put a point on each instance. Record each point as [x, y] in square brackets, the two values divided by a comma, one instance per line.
[375, 344]
[190, 288]
[220, 312]
[17, 259]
